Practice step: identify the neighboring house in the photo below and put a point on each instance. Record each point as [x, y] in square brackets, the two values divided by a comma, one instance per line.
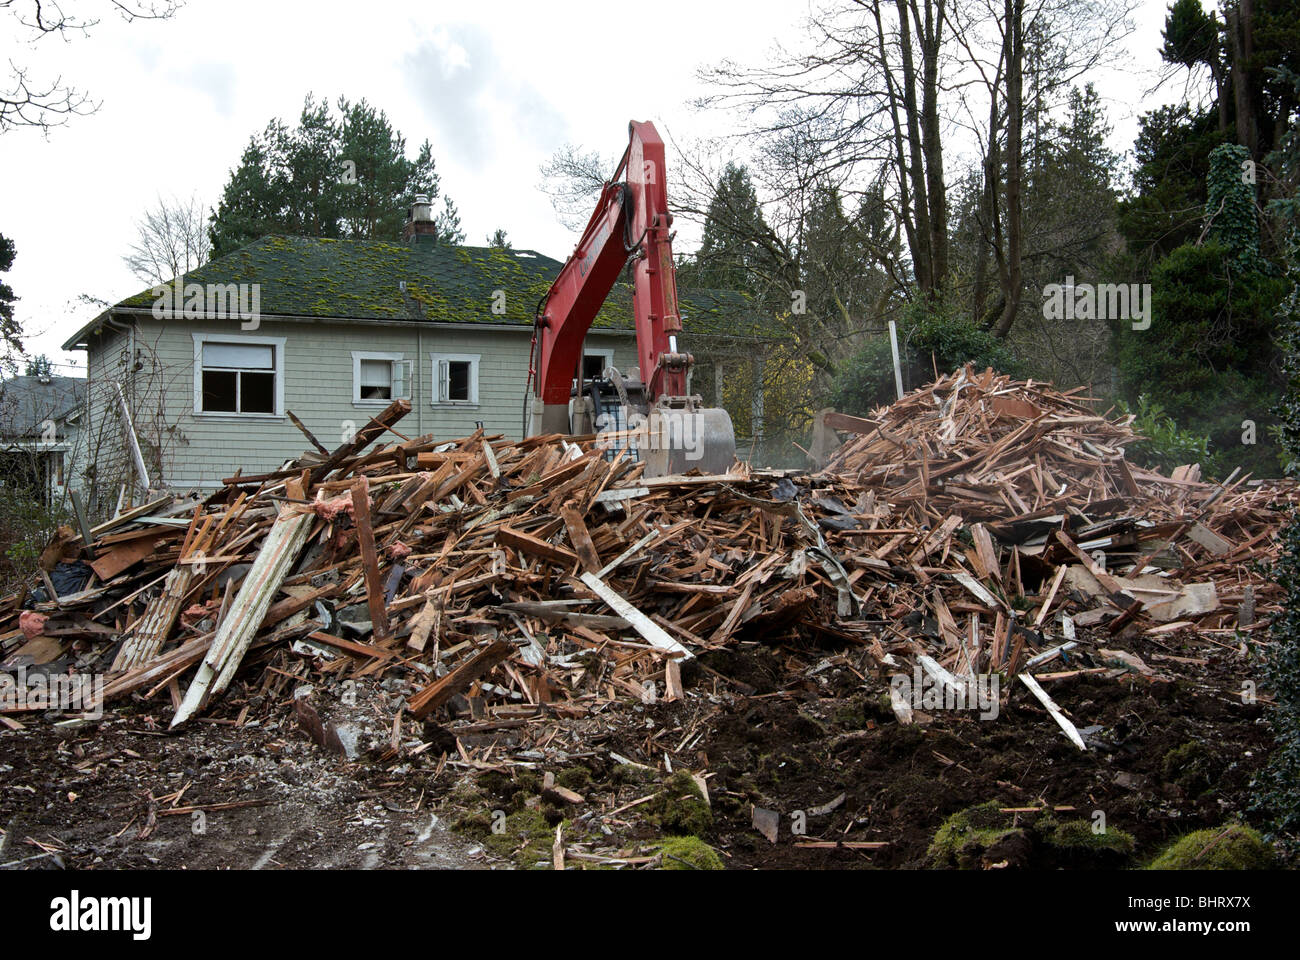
[40, 435]
[342, 328]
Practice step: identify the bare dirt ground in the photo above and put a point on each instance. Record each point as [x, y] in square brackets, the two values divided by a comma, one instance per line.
[1166, 756]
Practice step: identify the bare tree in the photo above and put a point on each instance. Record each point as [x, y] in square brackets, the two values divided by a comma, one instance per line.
[171, 239]
[44, 103]
[865, 95]
[1003, 45]
[573, 178]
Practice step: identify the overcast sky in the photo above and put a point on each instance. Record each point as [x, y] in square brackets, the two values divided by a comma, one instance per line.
[496, 86]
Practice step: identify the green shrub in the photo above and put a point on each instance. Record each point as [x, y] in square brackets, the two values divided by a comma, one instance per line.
[1208, 360]
[930, 334]
[26, 526]
[1164, 445]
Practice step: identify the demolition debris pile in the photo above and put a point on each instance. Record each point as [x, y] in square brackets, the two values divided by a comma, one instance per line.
[979, 525]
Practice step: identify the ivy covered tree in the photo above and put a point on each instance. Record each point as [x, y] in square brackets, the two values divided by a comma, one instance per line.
[337, 177]
[1279, 786]
[1230, 205]
[1210, 356]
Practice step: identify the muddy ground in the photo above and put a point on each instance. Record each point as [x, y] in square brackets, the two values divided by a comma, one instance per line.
[804, 733]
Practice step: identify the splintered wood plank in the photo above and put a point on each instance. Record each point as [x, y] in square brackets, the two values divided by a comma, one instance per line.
[425, 623]
[1061, 719]
[366, 540]
[849, 424]
[1209, 539]
[152, 629]
[1051, 595]
[734, 614]
[580, 536]
[443, 689]
[372, 431]
[114, 561]
[237, 630]
[352, 646]
[534, 547]
[672, 680]
[652, 632]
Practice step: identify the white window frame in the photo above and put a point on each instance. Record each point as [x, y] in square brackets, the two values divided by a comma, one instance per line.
[606, 352]
[394, 358]
[242, 340]
[435, 392]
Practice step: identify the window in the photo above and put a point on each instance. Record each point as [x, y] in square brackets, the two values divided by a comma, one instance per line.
[455, 378]
[594, 362]
[379, 378]
[240, 376]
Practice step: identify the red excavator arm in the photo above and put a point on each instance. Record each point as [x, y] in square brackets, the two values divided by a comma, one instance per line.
[631, 220]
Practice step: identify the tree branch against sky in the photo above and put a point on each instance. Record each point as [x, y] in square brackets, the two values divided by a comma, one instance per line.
[31, 99]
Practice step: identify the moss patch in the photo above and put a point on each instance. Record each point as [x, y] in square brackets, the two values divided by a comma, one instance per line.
[526, 839]
[626, 773]
[965, 837]
[679, 807]
[1193, 767]
[574, 778]
[1076, 844]
[1231, 847]
[689, 853]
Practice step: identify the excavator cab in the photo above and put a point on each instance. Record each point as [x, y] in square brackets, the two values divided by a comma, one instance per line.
[673, 435]
[648, 413]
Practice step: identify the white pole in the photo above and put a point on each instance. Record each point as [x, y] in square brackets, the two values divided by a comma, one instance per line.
[135, 444]
[898, 372]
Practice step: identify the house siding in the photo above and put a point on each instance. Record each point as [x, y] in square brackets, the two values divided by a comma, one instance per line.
[199, 451]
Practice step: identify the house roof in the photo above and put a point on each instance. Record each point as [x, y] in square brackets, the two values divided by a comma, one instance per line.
[434, 283]
[27, 402]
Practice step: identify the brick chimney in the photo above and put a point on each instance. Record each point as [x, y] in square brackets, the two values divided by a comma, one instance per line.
[420, 227]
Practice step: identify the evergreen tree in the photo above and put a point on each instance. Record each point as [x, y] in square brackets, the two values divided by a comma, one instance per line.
[1167, 199]
[10, 331]
[328, 177]
[731, 254]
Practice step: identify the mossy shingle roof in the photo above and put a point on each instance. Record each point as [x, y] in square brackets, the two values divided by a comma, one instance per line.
[373, 280]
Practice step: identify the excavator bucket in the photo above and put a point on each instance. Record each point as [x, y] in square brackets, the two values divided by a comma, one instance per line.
[699, 438]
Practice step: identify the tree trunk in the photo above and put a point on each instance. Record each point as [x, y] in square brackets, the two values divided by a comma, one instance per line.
[916, 156]
[1015, 120]
[1241, 36]
[932, 143]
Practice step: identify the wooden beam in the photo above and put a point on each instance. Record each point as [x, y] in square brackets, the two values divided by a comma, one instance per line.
[532, 546]
[443, 689]
[370, 560]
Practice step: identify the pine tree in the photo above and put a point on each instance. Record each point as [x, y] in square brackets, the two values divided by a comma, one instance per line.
[730, 254]
[328, 177]
[10, 331]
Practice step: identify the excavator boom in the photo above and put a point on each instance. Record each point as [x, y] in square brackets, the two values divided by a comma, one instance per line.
[631, 220]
